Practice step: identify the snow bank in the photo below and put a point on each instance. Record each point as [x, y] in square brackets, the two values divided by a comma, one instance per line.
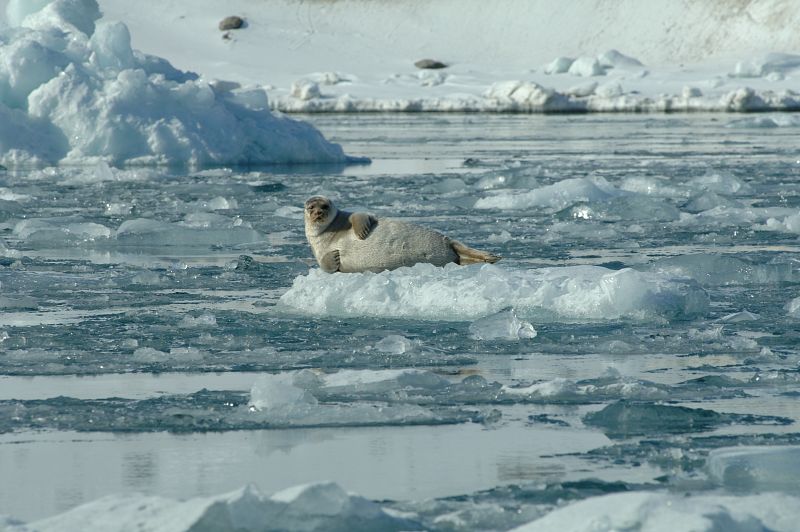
[659, 511]
[72, 90]
[320, 506]
[457, 293]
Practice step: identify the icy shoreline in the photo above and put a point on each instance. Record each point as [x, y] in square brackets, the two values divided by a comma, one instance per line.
[524, 97]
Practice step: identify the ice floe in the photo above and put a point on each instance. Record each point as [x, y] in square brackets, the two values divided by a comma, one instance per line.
[455, 293]
[505, 325]
[624, 419]
[661, 511]
[310, 507]
[72, 90]
[763, 468]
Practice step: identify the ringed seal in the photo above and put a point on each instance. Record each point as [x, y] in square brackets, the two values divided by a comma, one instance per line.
[358, 242]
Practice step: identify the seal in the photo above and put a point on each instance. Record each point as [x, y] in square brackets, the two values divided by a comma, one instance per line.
[358, 242]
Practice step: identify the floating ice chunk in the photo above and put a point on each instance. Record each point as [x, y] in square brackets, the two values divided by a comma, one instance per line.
[738, 317]
[499, 238]
[176, 354]
[271, 392]
[455, 293]
[556, 196]
[504, 325]
[312, 508]
[559, 65]
[652, 186]
[648, 511]
[710, 200]
[56, 231]
[624, 419]
[118, 209]
[627, 207]
[586, 67]
[380, 381]
[149, 279]
[789, 224]
[446, 186]
[762, 468]
[6, 194]
[558, 387]
[793, 307]
[394, 344]
[198, 229]
[289, 211]
[203, 320]
[721, 184]
[712, 269]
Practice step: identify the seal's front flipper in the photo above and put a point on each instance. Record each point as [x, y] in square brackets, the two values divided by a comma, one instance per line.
[362, 224]
[330, 262]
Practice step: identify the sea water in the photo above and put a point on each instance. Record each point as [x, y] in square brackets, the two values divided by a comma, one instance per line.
[166, 331]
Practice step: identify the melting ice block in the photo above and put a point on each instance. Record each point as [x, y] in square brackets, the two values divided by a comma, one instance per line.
[504, 325]
[556, 196]
[465, 293]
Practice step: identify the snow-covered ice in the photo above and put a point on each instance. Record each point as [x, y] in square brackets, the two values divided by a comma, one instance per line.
[466, 293]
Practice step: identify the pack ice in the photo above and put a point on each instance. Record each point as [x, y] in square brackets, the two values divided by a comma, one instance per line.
[72, 90]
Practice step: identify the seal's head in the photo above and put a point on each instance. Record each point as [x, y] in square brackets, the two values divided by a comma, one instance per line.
[319, 212]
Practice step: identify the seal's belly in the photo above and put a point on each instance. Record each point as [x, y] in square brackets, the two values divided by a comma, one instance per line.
[392, 245]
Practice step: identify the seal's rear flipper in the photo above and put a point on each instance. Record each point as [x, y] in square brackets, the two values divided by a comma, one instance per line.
[468, 255]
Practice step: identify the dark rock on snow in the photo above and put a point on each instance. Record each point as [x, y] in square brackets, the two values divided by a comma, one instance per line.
[231, 23]
[429, 64]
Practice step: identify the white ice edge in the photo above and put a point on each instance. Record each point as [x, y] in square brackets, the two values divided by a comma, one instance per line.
[456, 293]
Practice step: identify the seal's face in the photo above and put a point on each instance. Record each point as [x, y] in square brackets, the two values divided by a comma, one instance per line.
[319, 210]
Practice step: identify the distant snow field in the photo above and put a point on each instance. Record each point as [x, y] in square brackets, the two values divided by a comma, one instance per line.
[518, 56]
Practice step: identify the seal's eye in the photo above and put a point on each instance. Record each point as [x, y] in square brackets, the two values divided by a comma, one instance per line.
[324, 207]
